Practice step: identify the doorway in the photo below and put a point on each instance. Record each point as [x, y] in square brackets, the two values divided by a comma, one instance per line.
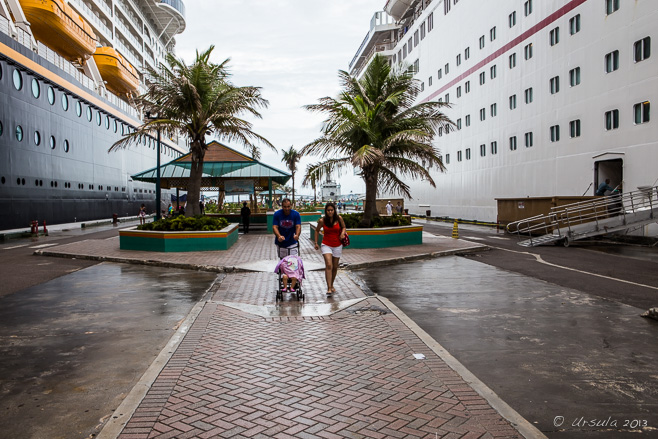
[612, 169]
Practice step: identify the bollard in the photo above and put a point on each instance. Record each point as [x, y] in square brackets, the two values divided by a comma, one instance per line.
[45, 231]
[115, 219]
[455, 230]
[34, 227]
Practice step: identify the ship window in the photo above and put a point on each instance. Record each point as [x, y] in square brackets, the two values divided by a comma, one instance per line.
[78, 108]
[116, 125]
[66, 146]
[89, 114]
[65, 102]
[1, 78]
[99, 118]
[107, 122]
[36, 89]
[19, 133]
[3, 180]
[51, 95]
[642, 112]
[37, 138]
[18, 79]
[53, 143]
[0, 128]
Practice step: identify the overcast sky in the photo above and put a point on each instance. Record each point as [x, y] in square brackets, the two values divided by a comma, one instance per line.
[293, 50]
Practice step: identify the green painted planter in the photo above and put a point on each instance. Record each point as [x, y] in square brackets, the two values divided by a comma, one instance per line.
[155, 241]
[381, 237]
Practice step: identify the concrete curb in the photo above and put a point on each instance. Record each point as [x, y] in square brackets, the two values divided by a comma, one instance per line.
[418, 257]
[126, 409]
[525, 428]
[149, 262]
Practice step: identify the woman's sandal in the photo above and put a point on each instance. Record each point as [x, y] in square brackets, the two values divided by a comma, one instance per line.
[329, 293]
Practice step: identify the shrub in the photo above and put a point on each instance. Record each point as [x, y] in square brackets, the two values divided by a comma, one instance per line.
[186, 224]
[352, 220]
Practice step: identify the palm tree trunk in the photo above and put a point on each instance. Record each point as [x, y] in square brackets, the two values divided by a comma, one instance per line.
[370, 202]
[293, 189]
[194, 184]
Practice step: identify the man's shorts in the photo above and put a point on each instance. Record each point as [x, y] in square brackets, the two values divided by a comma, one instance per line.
[336, 252]
[287, 251]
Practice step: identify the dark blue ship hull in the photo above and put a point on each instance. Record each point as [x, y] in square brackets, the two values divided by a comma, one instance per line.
[54, 159]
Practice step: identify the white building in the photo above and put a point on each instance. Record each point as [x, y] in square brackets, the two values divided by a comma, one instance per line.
[549, 97]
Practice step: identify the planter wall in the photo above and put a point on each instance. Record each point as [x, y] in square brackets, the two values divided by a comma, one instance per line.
[382, 237]
[155, 241]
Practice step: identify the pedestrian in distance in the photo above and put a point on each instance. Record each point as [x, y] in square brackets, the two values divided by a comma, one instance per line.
[202, 207]
[142, 214]
[389, 209]
[287, 226]
[333, 228]
[398, 208]
[245, 213]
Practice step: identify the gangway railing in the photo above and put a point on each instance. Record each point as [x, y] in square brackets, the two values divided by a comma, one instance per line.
[615, 212]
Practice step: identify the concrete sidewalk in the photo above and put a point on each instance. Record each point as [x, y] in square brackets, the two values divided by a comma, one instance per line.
[244, 365]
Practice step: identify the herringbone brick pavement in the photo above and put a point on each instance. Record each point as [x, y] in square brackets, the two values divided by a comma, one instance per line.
[351, 375]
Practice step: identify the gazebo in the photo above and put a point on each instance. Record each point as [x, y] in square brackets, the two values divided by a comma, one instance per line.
[224, 169]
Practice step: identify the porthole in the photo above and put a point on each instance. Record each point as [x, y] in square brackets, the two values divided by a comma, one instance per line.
[99, 118]
[65, 102]
[51, 95]
[18, 79]
[0, 128]
[89, 114]
[19, 133]
[53, 143]
[36, 89]
[37, 138]
[3, 178]
[78, 108]
[36, 183]
[23, 181]
[1, 78]
[66, 146]
[18, 181]
[116, 126]
[107, 122]
[40, 182]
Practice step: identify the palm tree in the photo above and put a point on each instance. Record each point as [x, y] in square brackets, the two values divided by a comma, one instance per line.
[311, 179]
[290, 158]
[195, 101]
[374, 126]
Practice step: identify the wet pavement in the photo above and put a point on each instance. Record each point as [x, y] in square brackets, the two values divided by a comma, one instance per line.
[548, 351]
[73, 347]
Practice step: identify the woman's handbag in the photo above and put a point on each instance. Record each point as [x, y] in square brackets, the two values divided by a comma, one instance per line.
[346, 240]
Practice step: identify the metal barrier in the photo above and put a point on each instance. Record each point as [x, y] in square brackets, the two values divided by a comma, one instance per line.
[614, 212]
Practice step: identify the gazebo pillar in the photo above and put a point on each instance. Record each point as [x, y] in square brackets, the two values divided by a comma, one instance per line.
[269, 184]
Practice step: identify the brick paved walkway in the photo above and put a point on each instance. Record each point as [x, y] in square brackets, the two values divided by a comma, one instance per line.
[352, 374]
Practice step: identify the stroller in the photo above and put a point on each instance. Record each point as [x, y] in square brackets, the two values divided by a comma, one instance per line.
[289, 259]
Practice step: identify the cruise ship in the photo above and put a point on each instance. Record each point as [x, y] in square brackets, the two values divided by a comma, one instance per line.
[68, 73]
[550, 98]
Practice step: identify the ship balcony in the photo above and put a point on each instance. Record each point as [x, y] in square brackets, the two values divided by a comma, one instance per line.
[92, 17]
[178, 5]
[381, 31]
[125, 32]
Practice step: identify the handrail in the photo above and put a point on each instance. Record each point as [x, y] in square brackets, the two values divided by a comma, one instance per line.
[560, 219]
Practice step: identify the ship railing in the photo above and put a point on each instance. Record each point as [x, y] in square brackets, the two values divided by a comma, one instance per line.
[128, 35]
[128, 54]
[561, 220]
[90, 15]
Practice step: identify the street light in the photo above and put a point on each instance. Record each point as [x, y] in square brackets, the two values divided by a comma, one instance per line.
[157, 172]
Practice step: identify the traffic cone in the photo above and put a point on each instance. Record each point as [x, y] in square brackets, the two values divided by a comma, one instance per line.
[455, 230]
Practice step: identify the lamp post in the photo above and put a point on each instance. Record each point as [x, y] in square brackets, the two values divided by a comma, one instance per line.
[157, 172]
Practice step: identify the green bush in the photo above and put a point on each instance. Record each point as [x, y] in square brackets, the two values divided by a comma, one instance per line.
[181, 223]
[352, 220]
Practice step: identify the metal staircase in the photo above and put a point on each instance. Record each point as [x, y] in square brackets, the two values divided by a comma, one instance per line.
[571, 222]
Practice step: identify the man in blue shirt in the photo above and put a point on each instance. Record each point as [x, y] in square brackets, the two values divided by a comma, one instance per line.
[603, 188]
[287, 226]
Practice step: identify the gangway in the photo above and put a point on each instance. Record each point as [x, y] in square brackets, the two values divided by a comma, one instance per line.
[571, 222]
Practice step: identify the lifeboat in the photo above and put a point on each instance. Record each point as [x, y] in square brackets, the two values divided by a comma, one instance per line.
[58, 26]
[119, 75]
